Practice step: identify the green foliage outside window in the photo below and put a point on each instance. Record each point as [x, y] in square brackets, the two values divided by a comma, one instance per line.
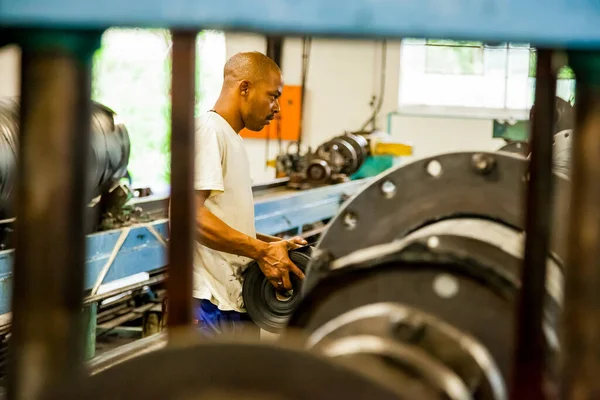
[565, 79]
[564, 73]
[132, 76]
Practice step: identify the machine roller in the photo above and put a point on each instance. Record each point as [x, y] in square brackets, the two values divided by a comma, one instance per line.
[110, 149]
[338, 159]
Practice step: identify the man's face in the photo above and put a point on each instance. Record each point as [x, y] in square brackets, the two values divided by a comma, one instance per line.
[261, 102]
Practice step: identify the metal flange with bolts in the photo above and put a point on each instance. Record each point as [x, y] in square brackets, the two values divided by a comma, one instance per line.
[445, 237]
[452, 185]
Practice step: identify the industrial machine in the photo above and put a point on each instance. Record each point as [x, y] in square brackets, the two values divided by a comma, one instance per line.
[108, 208]
[108, 165]
[437, 251]
[271, 310]
[418, 289]
[339, 159]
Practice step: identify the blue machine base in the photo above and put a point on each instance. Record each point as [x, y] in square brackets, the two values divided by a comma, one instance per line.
[142, 251]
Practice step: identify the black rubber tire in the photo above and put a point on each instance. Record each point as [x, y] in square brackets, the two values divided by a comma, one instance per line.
[260, 299]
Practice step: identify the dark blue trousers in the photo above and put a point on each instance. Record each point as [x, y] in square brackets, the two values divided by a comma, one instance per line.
[214, 322]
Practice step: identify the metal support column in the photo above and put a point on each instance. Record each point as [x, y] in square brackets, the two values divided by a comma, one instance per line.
[47, 326]
[530, 349]
[179, 283]
[581, 316]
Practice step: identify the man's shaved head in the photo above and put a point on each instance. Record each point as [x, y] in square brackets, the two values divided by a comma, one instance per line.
[252, 85]
[251, 66]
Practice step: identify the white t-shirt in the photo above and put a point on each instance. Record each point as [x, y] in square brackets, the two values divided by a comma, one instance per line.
[222, 167]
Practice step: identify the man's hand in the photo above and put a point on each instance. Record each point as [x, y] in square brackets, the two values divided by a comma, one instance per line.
[275, 263]
[297, 242]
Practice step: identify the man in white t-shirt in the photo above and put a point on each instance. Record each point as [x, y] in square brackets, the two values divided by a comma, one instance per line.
[227, 240]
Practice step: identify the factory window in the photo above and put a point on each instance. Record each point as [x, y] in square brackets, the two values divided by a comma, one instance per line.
[465, 78]
[132, 76]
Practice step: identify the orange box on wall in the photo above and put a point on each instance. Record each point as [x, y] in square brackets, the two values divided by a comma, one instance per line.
[288, 121]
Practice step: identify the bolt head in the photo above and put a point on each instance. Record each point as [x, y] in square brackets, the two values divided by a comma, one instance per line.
[483, 163]
[388, 188]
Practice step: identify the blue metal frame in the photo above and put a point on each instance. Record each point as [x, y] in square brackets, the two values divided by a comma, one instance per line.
[294, 210]
[143, 252]
[568, 23]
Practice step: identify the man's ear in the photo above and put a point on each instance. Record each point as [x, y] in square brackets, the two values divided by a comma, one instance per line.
[244, 86]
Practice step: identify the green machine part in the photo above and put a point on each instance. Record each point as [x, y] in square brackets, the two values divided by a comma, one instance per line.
[374, 165]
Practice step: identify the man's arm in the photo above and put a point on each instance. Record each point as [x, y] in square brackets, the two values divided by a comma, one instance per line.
[272, 257]
[217, 235]
[267, 238]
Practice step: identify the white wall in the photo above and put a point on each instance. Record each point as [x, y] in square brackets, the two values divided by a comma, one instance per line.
[10, 72]
[433, 135]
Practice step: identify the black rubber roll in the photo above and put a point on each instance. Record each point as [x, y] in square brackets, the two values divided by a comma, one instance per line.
[111, 148]
[9, 147]
[267, 309]
[109, 158]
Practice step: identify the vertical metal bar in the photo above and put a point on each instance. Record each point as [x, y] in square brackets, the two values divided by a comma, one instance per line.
[528, 372]
[179, 284]
[581, 316]
[275, 48]
[306, 46]
[47, 330]
[90, 315]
